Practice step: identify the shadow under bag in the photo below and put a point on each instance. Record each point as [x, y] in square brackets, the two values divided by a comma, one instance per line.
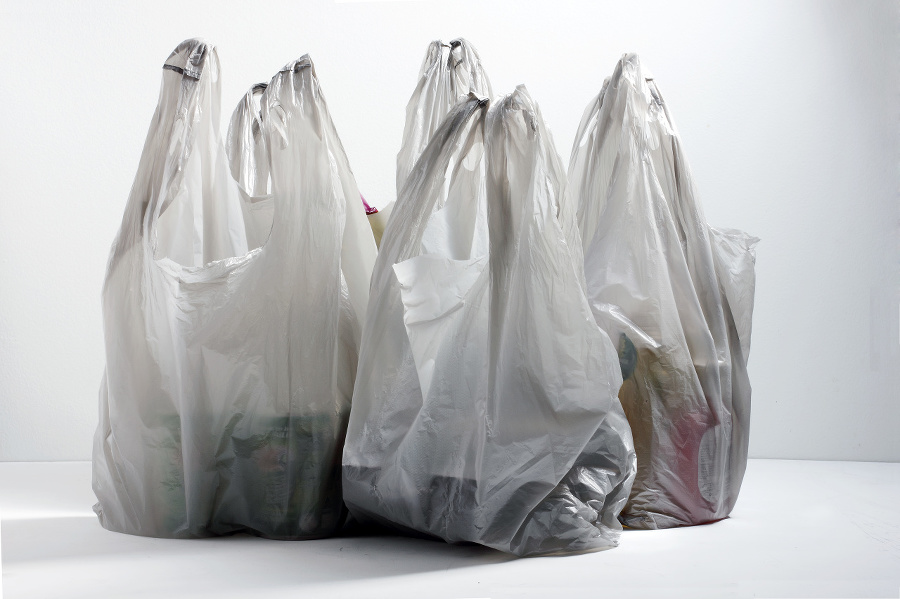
[485, 408]
[674, 294]
[231, 363]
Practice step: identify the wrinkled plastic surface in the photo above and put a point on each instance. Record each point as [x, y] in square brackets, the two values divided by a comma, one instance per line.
[448, 74]
[676, 296]
[485, 407]
[230, 369]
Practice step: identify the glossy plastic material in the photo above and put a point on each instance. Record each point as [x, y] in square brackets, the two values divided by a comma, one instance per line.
[485, 408]
[675, 295]
[230, 369]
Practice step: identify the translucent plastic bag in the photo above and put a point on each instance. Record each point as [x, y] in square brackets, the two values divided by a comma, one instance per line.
[677, 297]
[485, 408]
[230, 372]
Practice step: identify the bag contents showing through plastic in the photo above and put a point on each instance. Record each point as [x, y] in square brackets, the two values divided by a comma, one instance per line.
[485, 407]
[676, 296]
[232, 316]
[448, 74]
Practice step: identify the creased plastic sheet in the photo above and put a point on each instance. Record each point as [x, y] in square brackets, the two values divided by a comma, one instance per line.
[449, 73]
[674, 294]
[229, 372]
[485, 408]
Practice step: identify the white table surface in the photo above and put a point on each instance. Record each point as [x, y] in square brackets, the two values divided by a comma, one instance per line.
[800, 529]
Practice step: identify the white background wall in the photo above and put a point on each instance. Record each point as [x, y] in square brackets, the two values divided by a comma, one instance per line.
[788, 110]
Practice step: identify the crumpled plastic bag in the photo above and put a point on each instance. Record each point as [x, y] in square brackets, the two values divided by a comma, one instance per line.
[485, 408]
[230, 369]
[676, 296]
[448, 74]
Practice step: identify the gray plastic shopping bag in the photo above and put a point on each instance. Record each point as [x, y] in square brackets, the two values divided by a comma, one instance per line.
[674, 294]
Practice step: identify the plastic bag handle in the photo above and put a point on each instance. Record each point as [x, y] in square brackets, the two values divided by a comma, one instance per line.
[434, 159]
[192, 56]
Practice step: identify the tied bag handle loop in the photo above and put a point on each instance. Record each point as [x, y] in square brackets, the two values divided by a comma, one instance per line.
[178, 105]
[466, 72]
[291, 118]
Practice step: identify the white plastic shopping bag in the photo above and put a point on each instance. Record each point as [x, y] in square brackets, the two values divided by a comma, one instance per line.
[485, 407]
[230, 368]
[675, 295]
